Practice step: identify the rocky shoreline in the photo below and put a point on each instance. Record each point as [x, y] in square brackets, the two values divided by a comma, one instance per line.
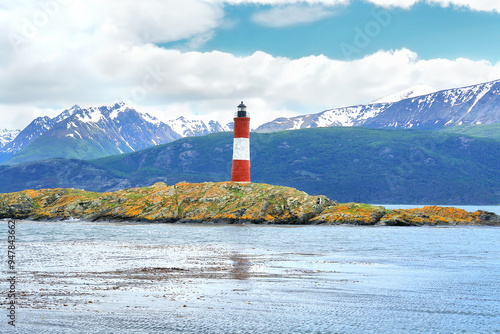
[222, 203]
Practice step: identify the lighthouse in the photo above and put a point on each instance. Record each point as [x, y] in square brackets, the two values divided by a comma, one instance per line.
[241, 145]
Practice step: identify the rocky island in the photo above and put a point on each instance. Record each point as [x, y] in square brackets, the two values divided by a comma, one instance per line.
[223, 203]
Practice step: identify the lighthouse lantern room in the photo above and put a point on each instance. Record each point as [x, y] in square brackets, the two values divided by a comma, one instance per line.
[240, 171]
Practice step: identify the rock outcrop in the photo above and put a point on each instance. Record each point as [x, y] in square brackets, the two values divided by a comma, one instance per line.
[223, 202]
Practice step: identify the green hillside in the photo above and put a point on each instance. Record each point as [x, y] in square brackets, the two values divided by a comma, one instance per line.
[481, 131]
[345, 164]
[46, 147]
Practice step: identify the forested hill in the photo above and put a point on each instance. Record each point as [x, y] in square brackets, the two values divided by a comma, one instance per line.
[345, 164]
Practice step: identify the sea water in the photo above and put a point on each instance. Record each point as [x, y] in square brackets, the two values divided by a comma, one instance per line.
[79, 277]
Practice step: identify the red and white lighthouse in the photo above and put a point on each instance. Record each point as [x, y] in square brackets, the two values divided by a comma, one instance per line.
[241, 145]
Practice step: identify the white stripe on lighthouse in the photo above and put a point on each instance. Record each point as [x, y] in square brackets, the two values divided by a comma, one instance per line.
[241, 149]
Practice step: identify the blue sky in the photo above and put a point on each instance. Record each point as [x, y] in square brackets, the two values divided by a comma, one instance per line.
[431, 31]
[200, 58]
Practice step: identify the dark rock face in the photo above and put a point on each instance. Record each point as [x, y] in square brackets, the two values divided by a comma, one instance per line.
[487, 218]
[21, 207]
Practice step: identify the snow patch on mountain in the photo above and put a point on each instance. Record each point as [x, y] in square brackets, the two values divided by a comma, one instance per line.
[90, 115]
[414, 91]
[66, 113]
[190, 128]
[297, 123]
[480, 93]
[349, 116]
[150, 119]
[6, 136]
[116, 109]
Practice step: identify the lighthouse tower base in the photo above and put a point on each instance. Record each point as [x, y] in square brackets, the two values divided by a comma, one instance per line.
[240, 171]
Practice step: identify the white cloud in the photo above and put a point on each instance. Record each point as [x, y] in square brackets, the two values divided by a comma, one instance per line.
[212, 84]
[291, 15]
[285, 2]
[395, 3]
[82, 23]
[17, 116]
[91, 53]
[478, 5]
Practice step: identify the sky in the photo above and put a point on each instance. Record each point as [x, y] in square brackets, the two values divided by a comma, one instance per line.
[200, 58]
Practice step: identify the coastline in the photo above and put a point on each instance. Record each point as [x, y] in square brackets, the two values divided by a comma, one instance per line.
[469, 208]
[223, 203]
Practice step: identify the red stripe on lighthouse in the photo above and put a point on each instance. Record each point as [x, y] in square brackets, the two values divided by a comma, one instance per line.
[241, 127]
[240, 171]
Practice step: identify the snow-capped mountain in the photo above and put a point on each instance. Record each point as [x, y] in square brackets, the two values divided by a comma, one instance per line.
[67, 113]
[99, 131]
[414, 91]
[35, 129]
[191, 128]
[132, 130]
[122, 127]
[348, 116]
[477, 104]
[6, 136]
[92, 133]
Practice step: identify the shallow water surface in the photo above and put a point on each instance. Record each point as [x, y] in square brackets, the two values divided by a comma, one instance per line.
[77, 277]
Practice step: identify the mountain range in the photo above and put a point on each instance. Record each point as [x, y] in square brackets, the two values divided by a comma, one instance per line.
[97, 132]
[115, 129]
[344, 163]
[477, 104]
[455, 163]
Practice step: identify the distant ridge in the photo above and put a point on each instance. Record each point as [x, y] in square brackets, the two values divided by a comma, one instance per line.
[476, 104]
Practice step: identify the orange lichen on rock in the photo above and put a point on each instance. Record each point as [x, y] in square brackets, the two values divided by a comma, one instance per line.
[351, 213]
[428, 215]
[31, 193]
[223, 202]
[447, 212]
